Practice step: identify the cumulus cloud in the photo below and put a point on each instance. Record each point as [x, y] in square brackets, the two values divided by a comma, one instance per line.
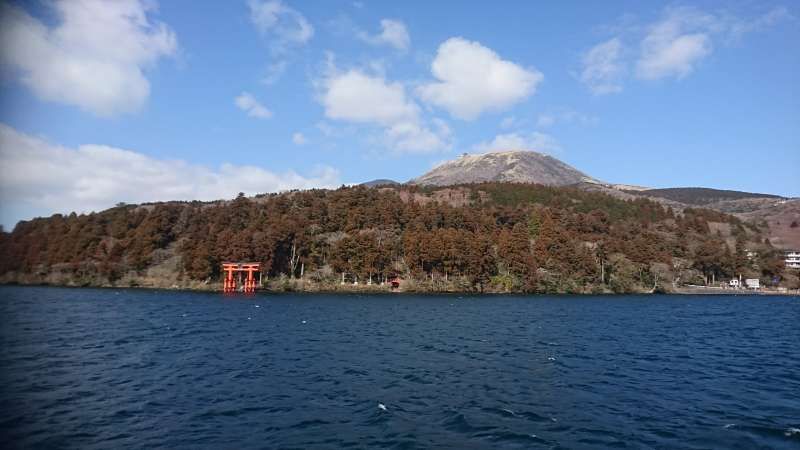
[299, 139]
[94, 56]
[247, 103]
[356, 96]
[359, 97]
[413, 137]
[393, 33]
[40, 178]
[603, 68]
[473, 79]
[536, 141]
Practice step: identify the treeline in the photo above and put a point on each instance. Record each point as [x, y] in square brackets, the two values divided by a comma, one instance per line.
[701, 196]
[507, 237]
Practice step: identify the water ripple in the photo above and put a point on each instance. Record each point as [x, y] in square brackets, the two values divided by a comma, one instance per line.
[94, 368]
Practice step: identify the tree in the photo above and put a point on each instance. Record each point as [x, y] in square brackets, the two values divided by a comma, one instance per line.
[539, 237]
[514, 250]
[480, 262]
[708, 257]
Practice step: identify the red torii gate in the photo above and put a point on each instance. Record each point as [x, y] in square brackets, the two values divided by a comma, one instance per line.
[229, 283]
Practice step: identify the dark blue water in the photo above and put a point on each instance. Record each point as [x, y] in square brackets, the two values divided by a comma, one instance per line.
[92, 368]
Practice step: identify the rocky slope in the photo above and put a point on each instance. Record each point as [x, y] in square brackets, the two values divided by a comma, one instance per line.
[512, 166]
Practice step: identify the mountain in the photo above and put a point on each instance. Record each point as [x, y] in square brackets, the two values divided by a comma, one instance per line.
[512, 166]
[380, 182]
[777, 212]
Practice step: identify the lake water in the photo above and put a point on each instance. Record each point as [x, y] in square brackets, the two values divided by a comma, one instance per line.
[103, 368]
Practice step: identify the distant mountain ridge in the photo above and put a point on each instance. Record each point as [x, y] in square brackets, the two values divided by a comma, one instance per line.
[510, 166]
[380, 182]
[700, 196]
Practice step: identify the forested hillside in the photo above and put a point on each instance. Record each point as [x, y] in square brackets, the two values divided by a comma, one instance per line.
[700, 196]
[486, 237]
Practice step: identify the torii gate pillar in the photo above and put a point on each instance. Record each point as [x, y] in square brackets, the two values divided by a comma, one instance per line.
[249, 284]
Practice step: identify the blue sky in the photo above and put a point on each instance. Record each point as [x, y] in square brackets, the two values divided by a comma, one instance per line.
[136, 101]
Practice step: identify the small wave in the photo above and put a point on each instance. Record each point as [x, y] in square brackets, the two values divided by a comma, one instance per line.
[308, 423]
[413, 378]
[792, 432]
[459, 423]
[533, 417]
[517, 438]
[505, 412]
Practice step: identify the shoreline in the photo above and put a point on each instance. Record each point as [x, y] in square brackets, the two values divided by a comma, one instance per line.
[381, 290]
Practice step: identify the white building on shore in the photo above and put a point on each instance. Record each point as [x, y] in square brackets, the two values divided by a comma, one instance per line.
[792, 259]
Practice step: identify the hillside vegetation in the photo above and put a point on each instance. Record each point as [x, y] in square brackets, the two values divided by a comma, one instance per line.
[701, 196]
[497, 237]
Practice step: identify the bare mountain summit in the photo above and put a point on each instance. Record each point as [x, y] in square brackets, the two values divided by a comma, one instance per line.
[512, 166]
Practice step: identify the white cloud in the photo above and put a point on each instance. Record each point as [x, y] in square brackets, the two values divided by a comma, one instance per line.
[40, 178]
[285, 25]
[473, 79]
[356, 96]
[603, 68]
[93, 57]
[284, 28]
[247, 103]
[413, 137]
[274, 72]
[299, 139]
[536, 141]
[674, 45]
[738, 27]
[393, 33]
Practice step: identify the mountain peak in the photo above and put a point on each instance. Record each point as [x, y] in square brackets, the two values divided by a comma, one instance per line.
[517, 166]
